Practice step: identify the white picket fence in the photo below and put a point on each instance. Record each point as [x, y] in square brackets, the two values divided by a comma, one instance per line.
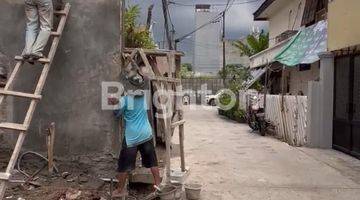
[290, 122]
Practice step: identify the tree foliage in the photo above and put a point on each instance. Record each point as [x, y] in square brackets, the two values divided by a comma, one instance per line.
[254, 44]
[237, 75]
[186, 71]
[136, 36]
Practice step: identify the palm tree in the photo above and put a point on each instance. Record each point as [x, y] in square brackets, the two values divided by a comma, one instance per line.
[254, 44]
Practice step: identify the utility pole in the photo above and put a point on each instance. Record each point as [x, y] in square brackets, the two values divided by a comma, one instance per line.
[224, 50]
[166, 23]
[149, 17]
[122, 28]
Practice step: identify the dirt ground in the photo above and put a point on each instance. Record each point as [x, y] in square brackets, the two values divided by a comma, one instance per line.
[232, 163]
[229, 160]
[79, 178]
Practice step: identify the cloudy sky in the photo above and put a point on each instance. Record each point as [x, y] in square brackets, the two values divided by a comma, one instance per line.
[239, 20]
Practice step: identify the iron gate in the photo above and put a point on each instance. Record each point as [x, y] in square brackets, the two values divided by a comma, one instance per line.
[346, 136]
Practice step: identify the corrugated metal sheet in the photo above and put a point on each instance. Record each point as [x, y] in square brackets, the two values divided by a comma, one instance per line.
[290, 123]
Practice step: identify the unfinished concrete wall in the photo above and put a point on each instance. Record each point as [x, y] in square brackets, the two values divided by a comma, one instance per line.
[72, 95]
[6, 107]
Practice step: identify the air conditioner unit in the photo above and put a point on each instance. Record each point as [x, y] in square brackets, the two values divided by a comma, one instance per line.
[285, 35]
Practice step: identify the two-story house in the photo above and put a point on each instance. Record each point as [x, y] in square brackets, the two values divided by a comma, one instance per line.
[322, 60]
[286, 19]
[344, 70]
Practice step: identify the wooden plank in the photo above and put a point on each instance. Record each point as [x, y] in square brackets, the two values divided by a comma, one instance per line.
[50, 145]
[155, 52]
[60, 12]
[178, 123]
[55, 34]
[149, 69]
[5, 176]
[167, 131]
[12, 162]
[20, 94]
[33, 103]
[10, 81]
[129, 59]
[13, 126]
[41, 60]
[290, 123]
[182, 148]
[166, 79]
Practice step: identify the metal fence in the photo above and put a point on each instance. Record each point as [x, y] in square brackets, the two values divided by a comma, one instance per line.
[195, 85]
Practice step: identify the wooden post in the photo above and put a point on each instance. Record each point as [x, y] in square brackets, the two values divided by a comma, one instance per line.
[282, 87]
[122, 27]
[266, 85]
[149, 17]
[167, 127]
[283, 115]
[50, 146]
[224, 48]
[182, 151]
[166, 23]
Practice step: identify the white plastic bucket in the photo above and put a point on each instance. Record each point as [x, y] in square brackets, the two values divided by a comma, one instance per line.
[193, 191]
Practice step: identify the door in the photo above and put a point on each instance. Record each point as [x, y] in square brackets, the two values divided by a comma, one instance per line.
[356, 109]
[342, 122]
[347, 105]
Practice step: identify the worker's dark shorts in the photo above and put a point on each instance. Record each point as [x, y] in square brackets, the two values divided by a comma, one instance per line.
[127, 159]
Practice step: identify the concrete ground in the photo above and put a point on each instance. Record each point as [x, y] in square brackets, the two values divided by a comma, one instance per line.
[233, 163]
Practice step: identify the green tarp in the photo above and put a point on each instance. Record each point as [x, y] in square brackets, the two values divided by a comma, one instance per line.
[305, 46]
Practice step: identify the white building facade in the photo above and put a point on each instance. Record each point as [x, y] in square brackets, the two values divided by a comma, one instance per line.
[207, 42]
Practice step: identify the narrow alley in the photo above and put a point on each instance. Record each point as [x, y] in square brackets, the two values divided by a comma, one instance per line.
[233, 163]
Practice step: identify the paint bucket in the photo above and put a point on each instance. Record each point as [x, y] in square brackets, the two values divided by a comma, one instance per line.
[193, 191]
[178, 192]
[167, 193]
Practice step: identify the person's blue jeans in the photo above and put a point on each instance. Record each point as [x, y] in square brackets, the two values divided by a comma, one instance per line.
[39, 14]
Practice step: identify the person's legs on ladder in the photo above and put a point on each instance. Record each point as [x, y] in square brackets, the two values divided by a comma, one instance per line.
[46, 13]
[32, 27]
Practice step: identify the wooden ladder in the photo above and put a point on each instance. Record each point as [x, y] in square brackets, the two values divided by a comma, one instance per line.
[23, 128]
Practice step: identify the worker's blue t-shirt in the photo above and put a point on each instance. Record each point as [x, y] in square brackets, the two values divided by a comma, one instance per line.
[137, 125]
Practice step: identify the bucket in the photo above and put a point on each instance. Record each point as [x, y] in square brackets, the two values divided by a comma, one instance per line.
[193, 191]
[168, 193]
[178, 192]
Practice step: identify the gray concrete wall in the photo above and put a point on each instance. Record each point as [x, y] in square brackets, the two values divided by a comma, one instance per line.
[320, 115]
[72, 95]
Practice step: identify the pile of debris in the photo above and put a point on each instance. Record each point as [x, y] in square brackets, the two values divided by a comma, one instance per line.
[75, 179]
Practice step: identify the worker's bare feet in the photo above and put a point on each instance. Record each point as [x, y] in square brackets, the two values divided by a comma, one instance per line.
[118, 194]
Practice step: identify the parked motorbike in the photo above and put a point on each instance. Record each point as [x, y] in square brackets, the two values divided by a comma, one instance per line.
[255, 115]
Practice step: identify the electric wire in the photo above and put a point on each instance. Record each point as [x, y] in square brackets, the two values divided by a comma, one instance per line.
[214, 4]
